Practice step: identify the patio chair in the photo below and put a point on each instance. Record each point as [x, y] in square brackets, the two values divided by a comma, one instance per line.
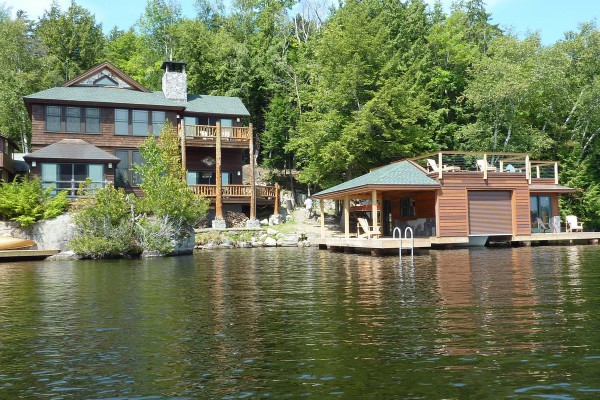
[481, 165]
[541, 225]
[573, 224]
[445, 168]
[367, 231]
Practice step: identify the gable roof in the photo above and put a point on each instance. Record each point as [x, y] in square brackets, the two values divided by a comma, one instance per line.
[403, 175]
[79, 79]
[72, 150]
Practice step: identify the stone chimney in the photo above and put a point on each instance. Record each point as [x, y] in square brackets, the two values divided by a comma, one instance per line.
[174, 80]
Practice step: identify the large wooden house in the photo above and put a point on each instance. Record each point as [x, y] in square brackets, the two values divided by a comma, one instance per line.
[93, 125]
[454, 198]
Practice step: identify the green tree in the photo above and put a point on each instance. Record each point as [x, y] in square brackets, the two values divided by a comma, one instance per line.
[72, 37]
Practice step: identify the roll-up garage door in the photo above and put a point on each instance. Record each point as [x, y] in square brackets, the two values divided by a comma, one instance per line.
[490, 212]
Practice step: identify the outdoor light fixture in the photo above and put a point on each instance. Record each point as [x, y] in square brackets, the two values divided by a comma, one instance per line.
[109, 165]
[33, 164]
[239, 173]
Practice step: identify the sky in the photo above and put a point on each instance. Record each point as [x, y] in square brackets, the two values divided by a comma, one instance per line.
[551, 18]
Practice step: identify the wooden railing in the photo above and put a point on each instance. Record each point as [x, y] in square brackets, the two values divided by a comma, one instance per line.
[233, 190]
[241, 133]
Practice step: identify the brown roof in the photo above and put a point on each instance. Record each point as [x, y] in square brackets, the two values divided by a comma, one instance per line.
[71, 150]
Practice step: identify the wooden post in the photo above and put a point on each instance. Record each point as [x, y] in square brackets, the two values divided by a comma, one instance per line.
[219, 177]
[276, 206]
[181, 129]
[527, 170]
[556, 173]
[374, 209]
[485, 166]
[537, 171]
[322, 206]
[440, 168]
[346, 217]
[252, 177]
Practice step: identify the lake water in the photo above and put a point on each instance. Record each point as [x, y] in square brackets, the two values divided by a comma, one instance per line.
[296, 323]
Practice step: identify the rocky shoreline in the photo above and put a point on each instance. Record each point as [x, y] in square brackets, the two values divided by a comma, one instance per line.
[248, 238]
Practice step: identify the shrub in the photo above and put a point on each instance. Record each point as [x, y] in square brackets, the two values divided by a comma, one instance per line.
[26, 201]
[166, 194]
[155, 234]
[104, 228]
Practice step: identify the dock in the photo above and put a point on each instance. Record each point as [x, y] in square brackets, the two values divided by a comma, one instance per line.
[26, 255]
[383, 246]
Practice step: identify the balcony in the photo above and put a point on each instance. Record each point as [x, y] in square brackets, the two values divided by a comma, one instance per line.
[206, 135]
[234, 191]
[450, 162]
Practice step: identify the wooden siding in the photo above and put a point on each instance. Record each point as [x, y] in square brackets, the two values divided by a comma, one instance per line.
[452, 207]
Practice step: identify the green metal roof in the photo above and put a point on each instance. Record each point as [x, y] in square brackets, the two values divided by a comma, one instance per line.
[402, 173]
[196, 103]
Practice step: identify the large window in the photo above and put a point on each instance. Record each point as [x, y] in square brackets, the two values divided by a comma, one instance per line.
[140, 122]
[76, 119]
[121, 121]
[68, 176]
[125, 175]
[92, 120]
[53, 118]
[541, 207]
[158, 122]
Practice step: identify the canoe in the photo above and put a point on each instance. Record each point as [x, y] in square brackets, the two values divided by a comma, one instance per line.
[10, 243]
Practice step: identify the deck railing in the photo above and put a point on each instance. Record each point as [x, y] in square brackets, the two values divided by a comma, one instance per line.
[72, 187]
[233, 190]
[241, 133]
[490, 162]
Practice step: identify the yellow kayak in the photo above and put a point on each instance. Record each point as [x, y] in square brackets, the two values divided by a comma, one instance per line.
[11, 243]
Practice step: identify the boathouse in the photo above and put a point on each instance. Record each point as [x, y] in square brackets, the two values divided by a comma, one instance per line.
[453, 198]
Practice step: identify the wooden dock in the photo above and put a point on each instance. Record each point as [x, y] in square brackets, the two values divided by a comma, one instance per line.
[391, 246]
[25, 255]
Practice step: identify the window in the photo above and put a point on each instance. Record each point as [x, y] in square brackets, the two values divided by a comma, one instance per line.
[158, 122]
[121, 122]
[92, 120]
[407, 207]
[125, 175]
[140, 122]
[73, 119]
[68, 176]
[53, 118]
[541, 207]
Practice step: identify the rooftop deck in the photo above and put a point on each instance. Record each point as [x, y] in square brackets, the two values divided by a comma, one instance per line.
[444, 162]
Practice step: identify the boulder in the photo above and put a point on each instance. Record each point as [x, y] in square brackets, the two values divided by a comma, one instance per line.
[270, 242]
[272, 232]
[275, 219]
[64, 255]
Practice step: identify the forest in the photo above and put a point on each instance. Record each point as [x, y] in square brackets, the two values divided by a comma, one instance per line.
[334, 91]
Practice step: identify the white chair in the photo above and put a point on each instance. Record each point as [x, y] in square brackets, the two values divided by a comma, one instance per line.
[481, 165]
[573, 224]
[367, 231]
[445, 168]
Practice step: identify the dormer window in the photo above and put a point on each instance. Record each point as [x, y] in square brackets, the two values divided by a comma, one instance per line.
[105, 80]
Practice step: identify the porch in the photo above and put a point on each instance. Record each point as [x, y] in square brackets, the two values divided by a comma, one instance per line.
[238, 192]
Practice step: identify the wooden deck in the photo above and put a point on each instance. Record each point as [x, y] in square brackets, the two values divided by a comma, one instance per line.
[391, 246]
[24, 255]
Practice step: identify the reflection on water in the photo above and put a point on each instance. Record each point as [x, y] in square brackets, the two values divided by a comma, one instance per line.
[305, 323]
